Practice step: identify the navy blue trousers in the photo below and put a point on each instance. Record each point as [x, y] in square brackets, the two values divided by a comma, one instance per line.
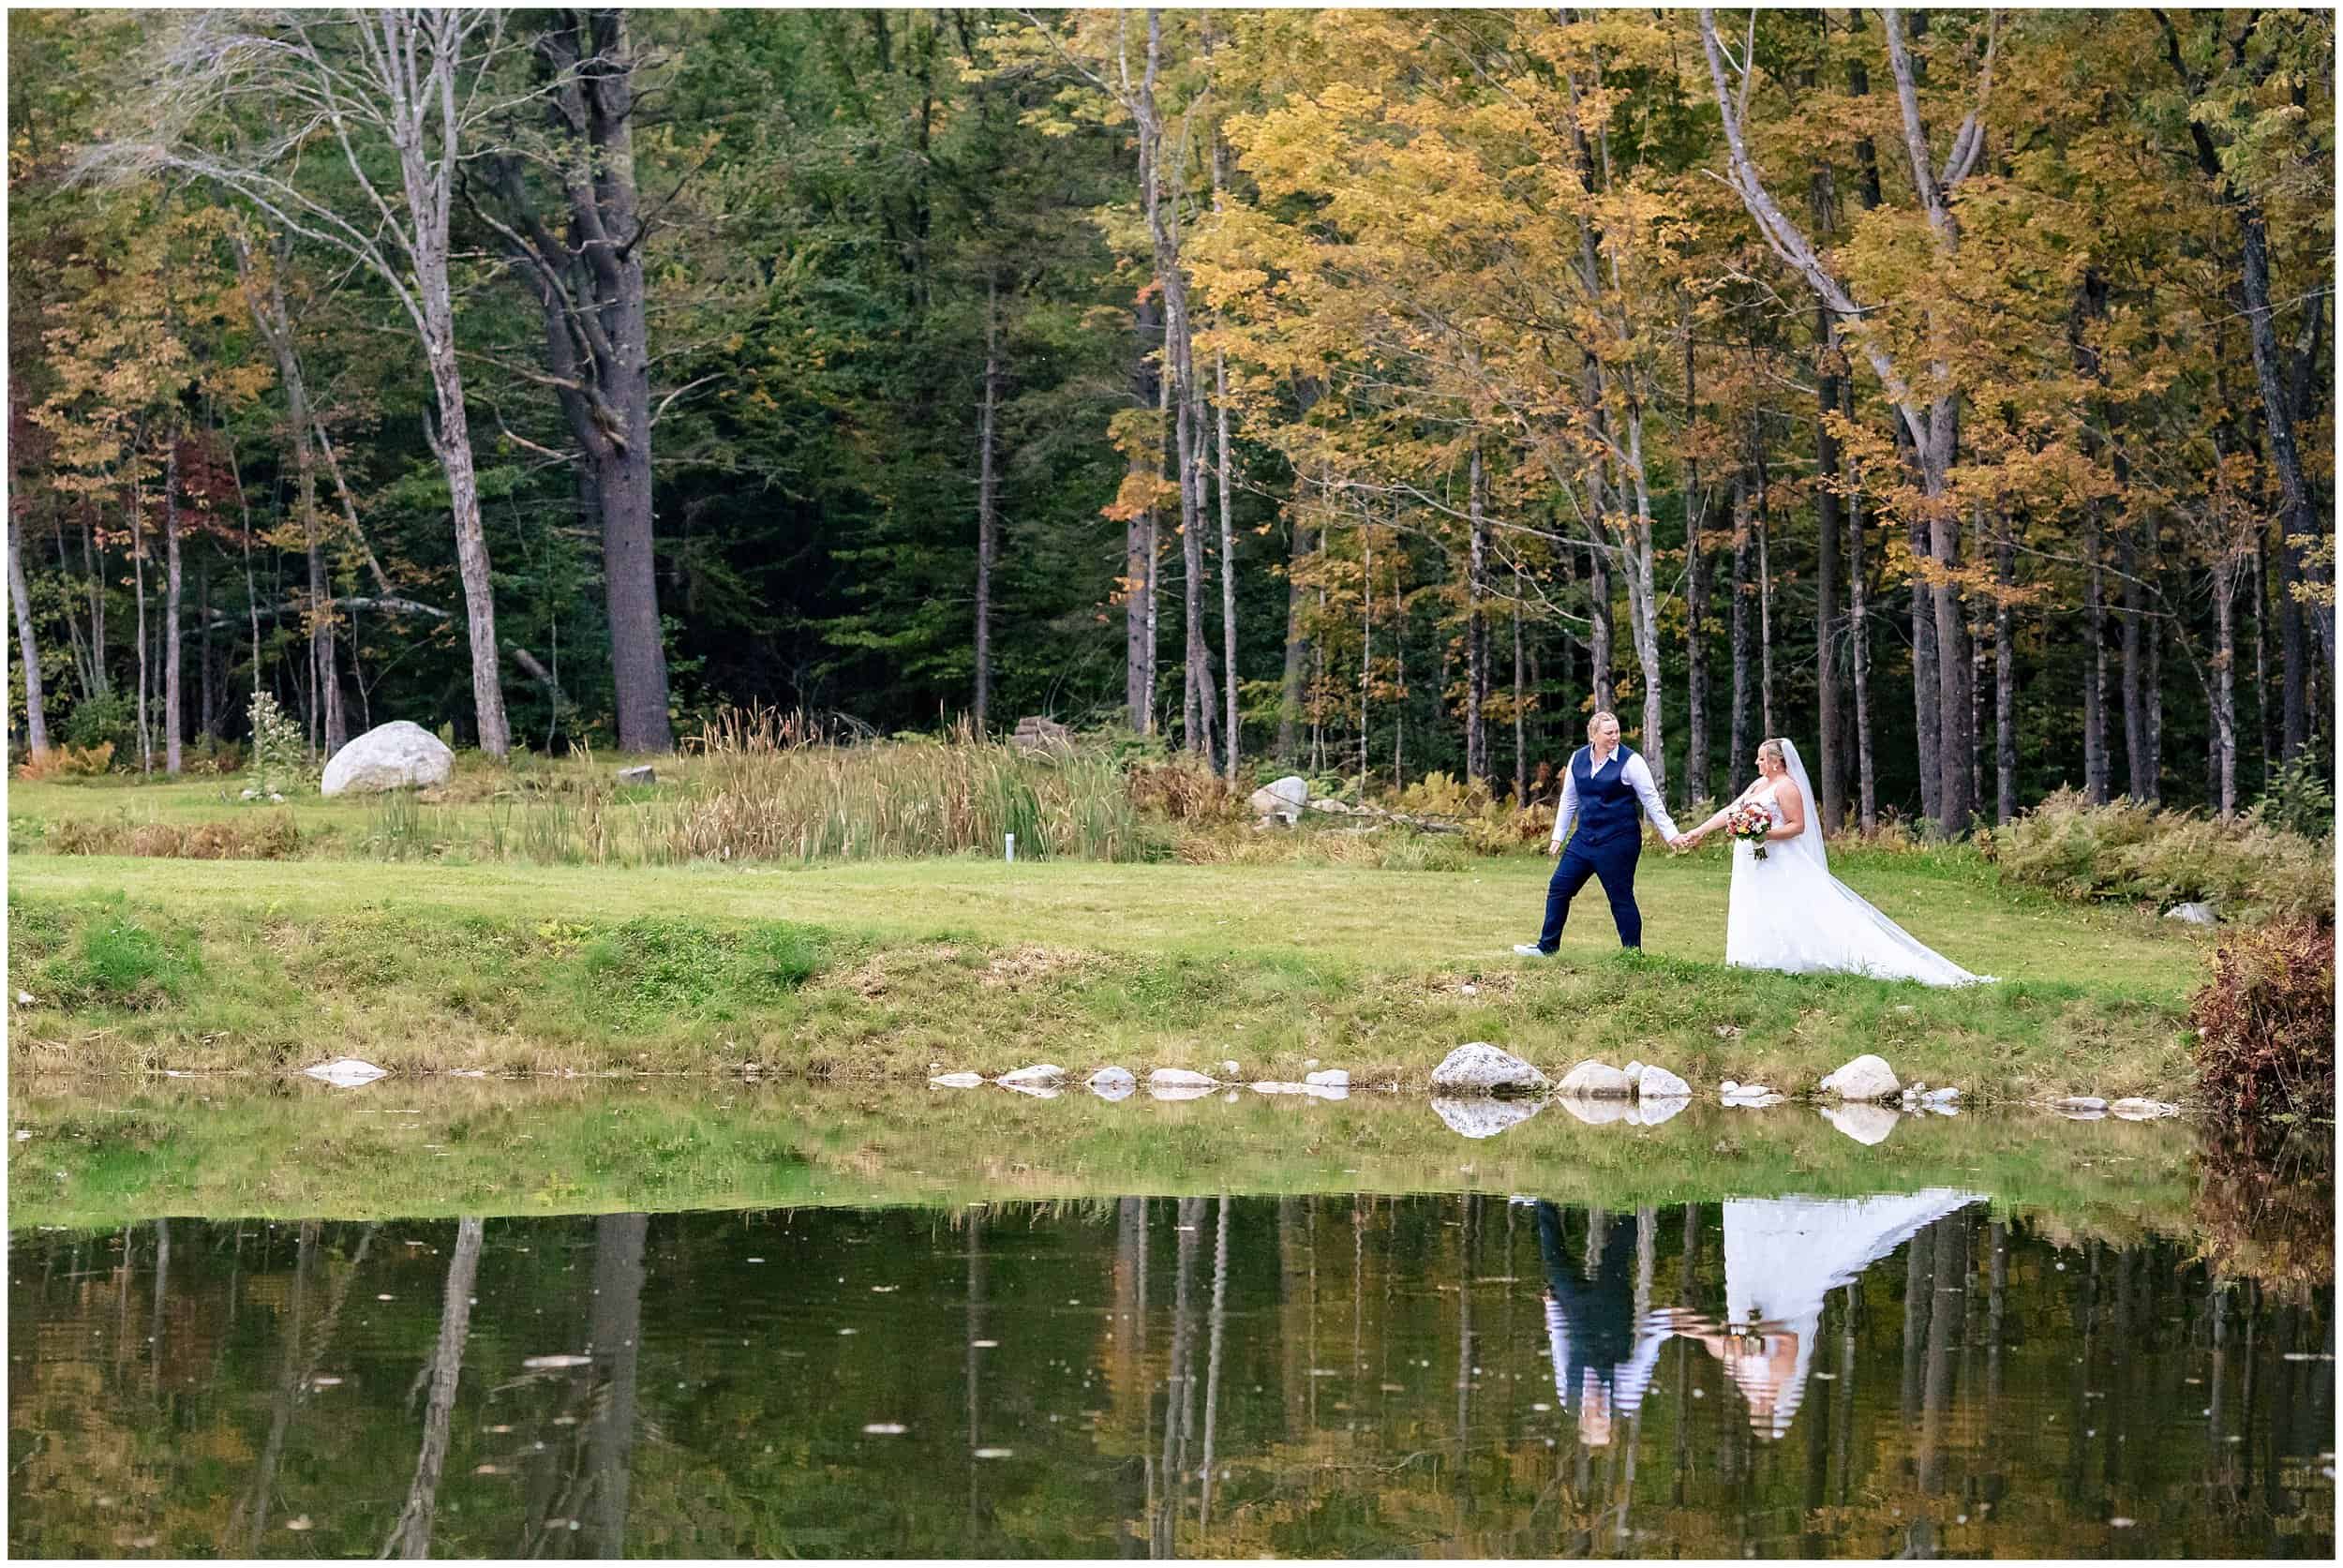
[1614, 865]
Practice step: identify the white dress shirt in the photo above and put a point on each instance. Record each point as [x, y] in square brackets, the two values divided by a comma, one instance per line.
[1638, 779]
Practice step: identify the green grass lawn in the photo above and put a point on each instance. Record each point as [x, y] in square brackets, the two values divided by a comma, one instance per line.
[892, 968]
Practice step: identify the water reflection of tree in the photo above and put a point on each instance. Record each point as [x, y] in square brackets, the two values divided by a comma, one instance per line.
[411, 1537]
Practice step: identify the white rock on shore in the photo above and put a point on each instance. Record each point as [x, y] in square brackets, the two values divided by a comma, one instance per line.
[1592, 1079]
[1866, 1077]
[1482, 1069]
[1660, 1083]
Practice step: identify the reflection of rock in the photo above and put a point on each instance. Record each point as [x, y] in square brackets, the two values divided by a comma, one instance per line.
[1038, 1091]
[1040, 1075]
[346, 1072]
[1327, 1091]
[1598, 1113]
[1660, 1083]
[2083, 1102]
[1864, 1122]
[956, 1080]
[1178, 1078]
[1482, 1069]
[2143, 1110]
[1652, 1112]
[1482, 1115]
[1180, 1091]
[1865, 1078]
[1592, 1079]
[1113, 1083]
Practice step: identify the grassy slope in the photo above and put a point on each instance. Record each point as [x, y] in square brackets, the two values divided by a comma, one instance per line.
[893, 967]
[425, 1148]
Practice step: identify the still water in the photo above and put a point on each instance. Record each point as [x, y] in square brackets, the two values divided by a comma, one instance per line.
[1452, 1375]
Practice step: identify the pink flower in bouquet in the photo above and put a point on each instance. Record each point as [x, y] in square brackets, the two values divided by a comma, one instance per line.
[1750, 822]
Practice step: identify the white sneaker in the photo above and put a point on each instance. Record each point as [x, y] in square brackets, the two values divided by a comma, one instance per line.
[1530, 950]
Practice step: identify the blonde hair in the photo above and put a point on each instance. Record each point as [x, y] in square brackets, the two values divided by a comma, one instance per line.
[1596, 723]
[1771, 747]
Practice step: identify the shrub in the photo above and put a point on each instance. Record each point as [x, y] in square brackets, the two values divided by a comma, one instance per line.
[280, 753]
[67, 762]
[273, 838]
[111, 720]
[2300, 799]
[1180, 790]
[2132, 851]
[2265, 1024]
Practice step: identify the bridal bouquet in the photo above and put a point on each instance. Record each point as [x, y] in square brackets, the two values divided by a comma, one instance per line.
[1750, 822]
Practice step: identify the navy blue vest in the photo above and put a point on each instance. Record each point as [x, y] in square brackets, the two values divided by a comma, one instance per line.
[1609, 814]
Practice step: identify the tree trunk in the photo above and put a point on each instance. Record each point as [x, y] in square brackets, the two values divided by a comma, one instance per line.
[93, 562]
[1599, 631]
[207, 684]
[1195, 583]
[1744, 629]
[452, 443]
[1764, 609]
[1832, 784]
[2097, 784]
[171, 582]
[1955, 690]
[138, 579]
[1521, 744]
[2154, 632]
[1139, 538]
[1366, 642]
[2297, 522]
[1696, 596]
[2005, 681]
[1231, 727]
[1476, 623]
[1859, 616]
[986, 522]
[2262, 655]
[1926, 699]
[2225, 683]
[27, 642]
[1290, 685]
[2142, 772]
[411, 1537]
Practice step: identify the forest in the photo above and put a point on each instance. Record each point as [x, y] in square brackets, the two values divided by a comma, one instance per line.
[1367, 394]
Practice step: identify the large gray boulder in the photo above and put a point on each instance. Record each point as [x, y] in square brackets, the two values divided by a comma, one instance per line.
[396, 755]
[1866, 1077]
[1592, 1079]
[1482, 1069]
[1284, 798]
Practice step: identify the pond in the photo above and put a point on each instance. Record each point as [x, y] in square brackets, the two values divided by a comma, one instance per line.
[1917, 1371]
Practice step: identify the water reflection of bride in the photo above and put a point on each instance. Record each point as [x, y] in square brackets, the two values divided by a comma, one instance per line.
[1782, 1256]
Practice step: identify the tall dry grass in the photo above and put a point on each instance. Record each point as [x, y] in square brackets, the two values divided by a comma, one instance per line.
[776, 787]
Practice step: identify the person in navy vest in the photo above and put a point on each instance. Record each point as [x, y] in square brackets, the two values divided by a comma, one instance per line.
[1606, 795]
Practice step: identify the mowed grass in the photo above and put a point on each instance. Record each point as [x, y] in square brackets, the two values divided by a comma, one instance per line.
[898, 969]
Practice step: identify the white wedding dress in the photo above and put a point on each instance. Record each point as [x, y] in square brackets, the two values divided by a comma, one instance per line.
[1787, 912]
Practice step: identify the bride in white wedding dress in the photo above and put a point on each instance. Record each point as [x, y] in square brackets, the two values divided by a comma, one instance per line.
[1787, 912]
